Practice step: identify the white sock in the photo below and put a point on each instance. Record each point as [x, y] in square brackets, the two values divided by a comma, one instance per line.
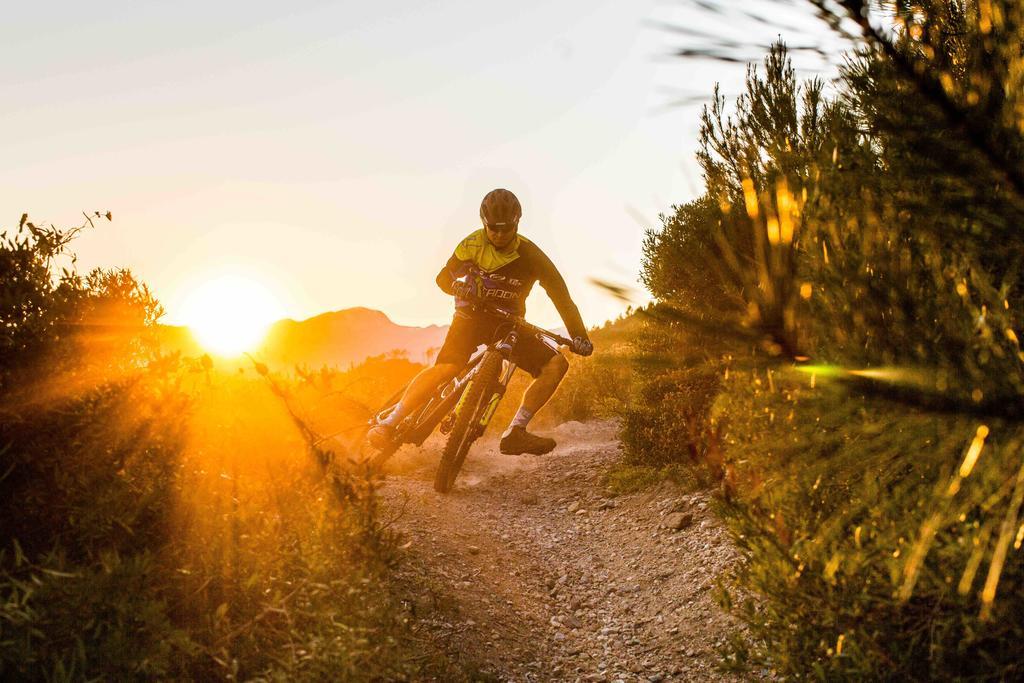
[393, 416]
[521, 419]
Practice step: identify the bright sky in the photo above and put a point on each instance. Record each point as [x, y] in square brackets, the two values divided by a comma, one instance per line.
[336, 152]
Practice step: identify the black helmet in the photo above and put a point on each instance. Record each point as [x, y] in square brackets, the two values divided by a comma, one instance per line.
[500, 207]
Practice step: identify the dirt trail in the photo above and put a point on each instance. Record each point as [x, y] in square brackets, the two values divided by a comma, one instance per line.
[527, 572]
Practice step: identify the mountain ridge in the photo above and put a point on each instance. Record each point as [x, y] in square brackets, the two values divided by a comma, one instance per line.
[334, 338]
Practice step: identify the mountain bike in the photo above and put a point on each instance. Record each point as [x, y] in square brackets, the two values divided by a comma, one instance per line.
[462, 406]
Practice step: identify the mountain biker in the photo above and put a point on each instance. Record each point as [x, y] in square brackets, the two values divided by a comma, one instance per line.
[498, 266]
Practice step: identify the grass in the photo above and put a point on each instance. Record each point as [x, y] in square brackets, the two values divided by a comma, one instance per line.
[625, 478]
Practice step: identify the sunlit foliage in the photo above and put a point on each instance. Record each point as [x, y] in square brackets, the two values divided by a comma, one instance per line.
[163, 517]
[864, 245]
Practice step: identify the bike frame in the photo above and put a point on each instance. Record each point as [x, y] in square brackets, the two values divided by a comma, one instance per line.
[420, 424]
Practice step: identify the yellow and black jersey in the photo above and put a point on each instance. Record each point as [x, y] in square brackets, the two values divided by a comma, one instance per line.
[505, 278]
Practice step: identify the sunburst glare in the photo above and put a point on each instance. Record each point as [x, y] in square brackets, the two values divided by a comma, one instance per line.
[230, 314]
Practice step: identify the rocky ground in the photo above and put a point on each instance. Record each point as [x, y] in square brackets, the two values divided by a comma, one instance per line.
[527, 571]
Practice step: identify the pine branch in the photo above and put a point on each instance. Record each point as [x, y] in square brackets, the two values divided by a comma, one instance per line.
[915, 71]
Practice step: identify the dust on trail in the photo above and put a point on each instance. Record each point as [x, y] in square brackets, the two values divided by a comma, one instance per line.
[526, 571]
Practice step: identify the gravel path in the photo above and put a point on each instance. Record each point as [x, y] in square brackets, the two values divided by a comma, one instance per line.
[528, 572]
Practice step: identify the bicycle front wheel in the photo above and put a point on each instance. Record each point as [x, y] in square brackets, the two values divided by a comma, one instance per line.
[467, 423]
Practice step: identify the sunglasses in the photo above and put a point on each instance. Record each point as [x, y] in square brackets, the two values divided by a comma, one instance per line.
[501, 228]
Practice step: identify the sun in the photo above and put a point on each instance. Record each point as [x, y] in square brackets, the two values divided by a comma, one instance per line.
[230, 314]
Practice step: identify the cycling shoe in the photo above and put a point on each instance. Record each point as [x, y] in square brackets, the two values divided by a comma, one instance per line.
[519, 441]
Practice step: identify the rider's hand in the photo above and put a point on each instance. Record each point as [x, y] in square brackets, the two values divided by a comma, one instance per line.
[465, 290]
[582, 346]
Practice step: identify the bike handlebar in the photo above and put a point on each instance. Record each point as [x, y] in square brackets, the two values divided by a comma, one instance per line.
[494, 310]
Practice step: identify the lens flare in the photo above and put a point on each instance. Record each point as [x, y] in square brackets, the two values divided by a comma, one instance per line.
[230, 314]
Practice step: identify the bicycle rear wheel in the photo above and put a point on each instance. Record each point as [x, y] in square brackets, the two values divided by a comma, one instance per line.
[467, 423]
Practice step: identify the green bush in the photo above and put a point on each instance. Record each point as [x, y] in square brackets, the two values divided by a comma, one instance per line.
[667, 422]
[872, 238]
[75, 621]
[164, 519]
[866, 551]
[90, 435]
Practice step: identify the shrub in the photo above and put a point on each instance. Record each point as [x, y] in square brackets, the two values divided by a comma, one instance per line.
[163, 519]
[90, 442]
[868, 553]
[874, 235]
[667, 422]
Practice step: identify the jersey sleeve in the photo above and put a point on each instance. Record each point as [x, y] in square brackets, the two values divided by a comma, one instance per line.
[458, 264]
[446, 278]
[553, 283]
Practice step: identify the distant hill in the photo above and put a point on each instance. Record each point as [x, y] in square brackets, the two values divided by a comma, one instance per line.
[338, 338]
[344, 337]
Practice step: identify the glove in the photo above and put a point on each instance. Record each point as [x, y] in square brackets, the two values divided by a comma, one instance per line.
[465, 290]
[582, 346]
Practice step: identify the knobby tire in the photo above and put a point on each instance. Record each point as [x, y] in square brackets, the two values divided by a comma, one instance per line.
[465, 430]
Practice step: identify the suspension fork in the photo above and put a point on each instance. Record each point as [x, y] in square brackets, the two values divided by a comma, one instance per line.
[504, 347]
[498, 393]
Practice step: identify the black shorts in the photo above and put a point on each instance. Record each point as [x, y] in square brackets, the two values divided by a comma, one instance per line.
[467, 333]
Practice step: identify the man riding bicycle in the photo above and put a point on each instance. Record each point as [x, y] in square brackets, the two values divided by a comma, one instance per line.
[498, 266]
